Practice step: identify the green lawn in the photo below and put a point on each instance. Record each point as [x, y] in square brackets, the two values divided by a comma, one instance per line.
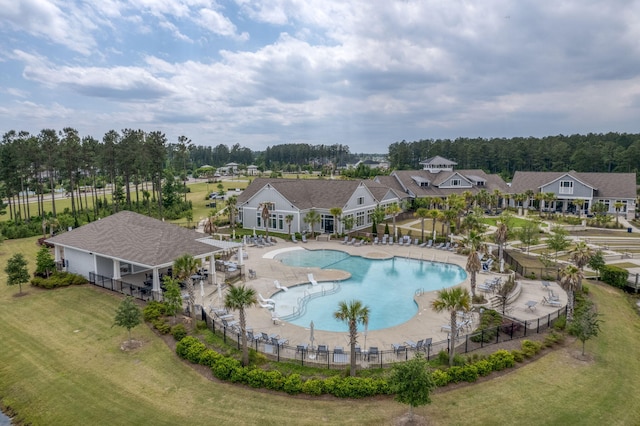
[60, 363]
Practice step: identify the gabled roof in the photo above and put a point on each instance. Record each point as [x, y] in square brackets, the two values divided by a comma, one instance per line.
[440, 161]
[407, 179]
[136, 238]
[608, 185]
[313, 193]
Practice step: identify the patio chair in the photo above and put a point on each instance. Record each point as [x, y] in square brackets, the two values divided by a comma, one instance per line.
[373, 352]
[416, 242]
[311, 279]
[346, 240]
[553, 297]
[398, 347]
[275, 341]
[304, 238]
[267, 337]
[302, 349]
[390, 241]
[486, 266]
[430, 244]
[339, 356]
[323, 350]
[268, 306]
[252, 274]
[376, 241]
[252, 337]
[293, 238]
[358, 243]
[280, 286]
[275, 318]
[352, 242]
[229, 324]
[385, 239]
[439, 246]
[415, 346]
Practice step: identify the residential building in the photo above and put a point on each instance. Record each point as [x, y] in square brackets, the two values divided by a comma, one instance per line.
[297, 197]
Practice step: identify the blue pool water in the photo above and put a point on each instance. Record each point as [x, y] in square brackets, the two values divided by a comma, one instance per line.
[387, 287]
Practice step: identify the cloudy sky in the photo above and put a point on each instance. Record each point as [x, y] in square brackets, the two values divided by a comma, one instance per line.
[365, 73]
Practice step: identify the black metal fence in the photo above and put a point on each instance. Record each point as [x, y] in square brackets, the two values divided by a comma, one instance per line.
[527, 271]
[279, 349]
[134, 290]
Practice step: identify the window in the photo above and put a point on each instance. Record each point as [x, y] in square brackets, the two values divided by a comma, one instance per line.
[566, 187]
[259, 221]
[424, 184]
[359, 219]
[280, 222]
[360, 201]
[455, 182]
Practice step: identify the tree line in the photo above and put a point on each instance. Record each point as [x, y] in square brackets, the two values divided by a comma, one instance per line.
[609, 152]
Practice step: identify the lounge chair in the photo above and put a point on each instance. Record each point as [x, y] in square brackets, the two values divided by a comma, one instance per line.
[311, 279]
[555, 303]
[373, 352]
[486, 266]
[415, 345]
[390, 241]
[268, 306]
[275, 318]
[358, 243]
[252, 274]
[346, 240]
[275, 341]
[229, 324]
[293, 238]
[398, 347]
[252, 337]
[376, 241]
[385, 239]
[304, 239]
[263, 300]
[267, 337]
[416, 242]
[439, 246]
[339, 356]
[553, 297]
[280, 286]
[352, 242]
[323, 350]
[430, 244]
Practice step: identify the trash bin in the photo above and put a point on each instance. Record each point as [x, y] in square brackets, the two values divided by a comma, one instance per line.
[629, 230]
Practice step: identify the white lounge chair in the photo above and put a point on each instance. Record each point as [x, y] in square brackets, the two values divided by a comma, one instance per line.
[346, 240]
[263, 300]
[311, 279]
[280, 286]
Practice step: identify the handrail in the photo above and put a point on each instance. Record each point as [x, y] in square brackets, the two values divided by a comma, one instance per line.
[301, 309]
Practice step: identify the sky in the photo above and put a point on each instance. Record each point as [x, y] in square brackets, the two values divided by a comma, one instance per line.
[363, 73]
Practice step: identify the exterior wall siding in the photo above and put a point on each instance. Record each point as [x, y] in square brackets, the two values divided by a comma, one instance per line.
[78, 262]
[579, 190]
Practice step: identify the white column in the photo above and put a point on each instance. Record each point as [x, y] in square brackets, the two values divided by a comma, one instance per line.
[116, 269]
[240, 256]
[156, 284]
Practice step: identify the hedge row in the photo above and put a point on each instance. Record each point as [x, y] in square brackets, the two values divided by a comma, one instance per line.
[226, 368]
[614, 275]
[58, 279]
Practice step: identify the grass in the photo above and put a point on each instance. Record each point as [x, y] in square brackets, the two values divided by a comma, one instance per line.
[60, 363]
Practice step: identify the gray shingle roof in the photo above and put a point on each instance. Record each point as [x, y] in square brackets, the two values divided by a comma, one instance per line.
[313, 193]
[135, 238]
[492, 182]
[608, 185]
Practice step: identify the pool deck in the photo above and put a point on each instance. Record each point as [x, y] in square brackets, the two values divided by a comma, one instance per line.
[425, 324]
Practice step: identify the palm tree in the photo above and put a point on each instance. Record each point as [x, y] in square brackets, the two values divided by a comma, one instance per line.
[239, 298]
[232, 209]
[393, 210]
[312, 217]
[569, 279]
[452, 300]
[266, 215]
[184, 267]
[500, 237]
[580, 255]
[433, 214]
[352, 312]
[618, 206]
[289, 220]
[336, 212]
[422, 213]
[474, 241]
[580, 203]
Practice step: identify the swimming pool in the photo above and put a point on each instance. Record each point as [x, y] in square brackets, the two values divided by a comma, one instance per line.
[387, 287]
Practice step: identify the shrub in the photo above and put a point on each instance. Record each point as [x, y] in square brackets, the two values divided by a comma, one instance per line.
[209, 357]
[154, 310]
[201, 325]
[178, 332]
[488, 327]
[313, 387]
[467, 373]
[501, 359]
[560, 323]
[614, 275]
[58, 279]
[518, 356]
[441, 378]
[293, 384]
[274, 380]
[443, 357]
[459, 360]
[530, 348]
[161, 325]
[256, 378]
[224, 367]
[184, 346]
[483, 367]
